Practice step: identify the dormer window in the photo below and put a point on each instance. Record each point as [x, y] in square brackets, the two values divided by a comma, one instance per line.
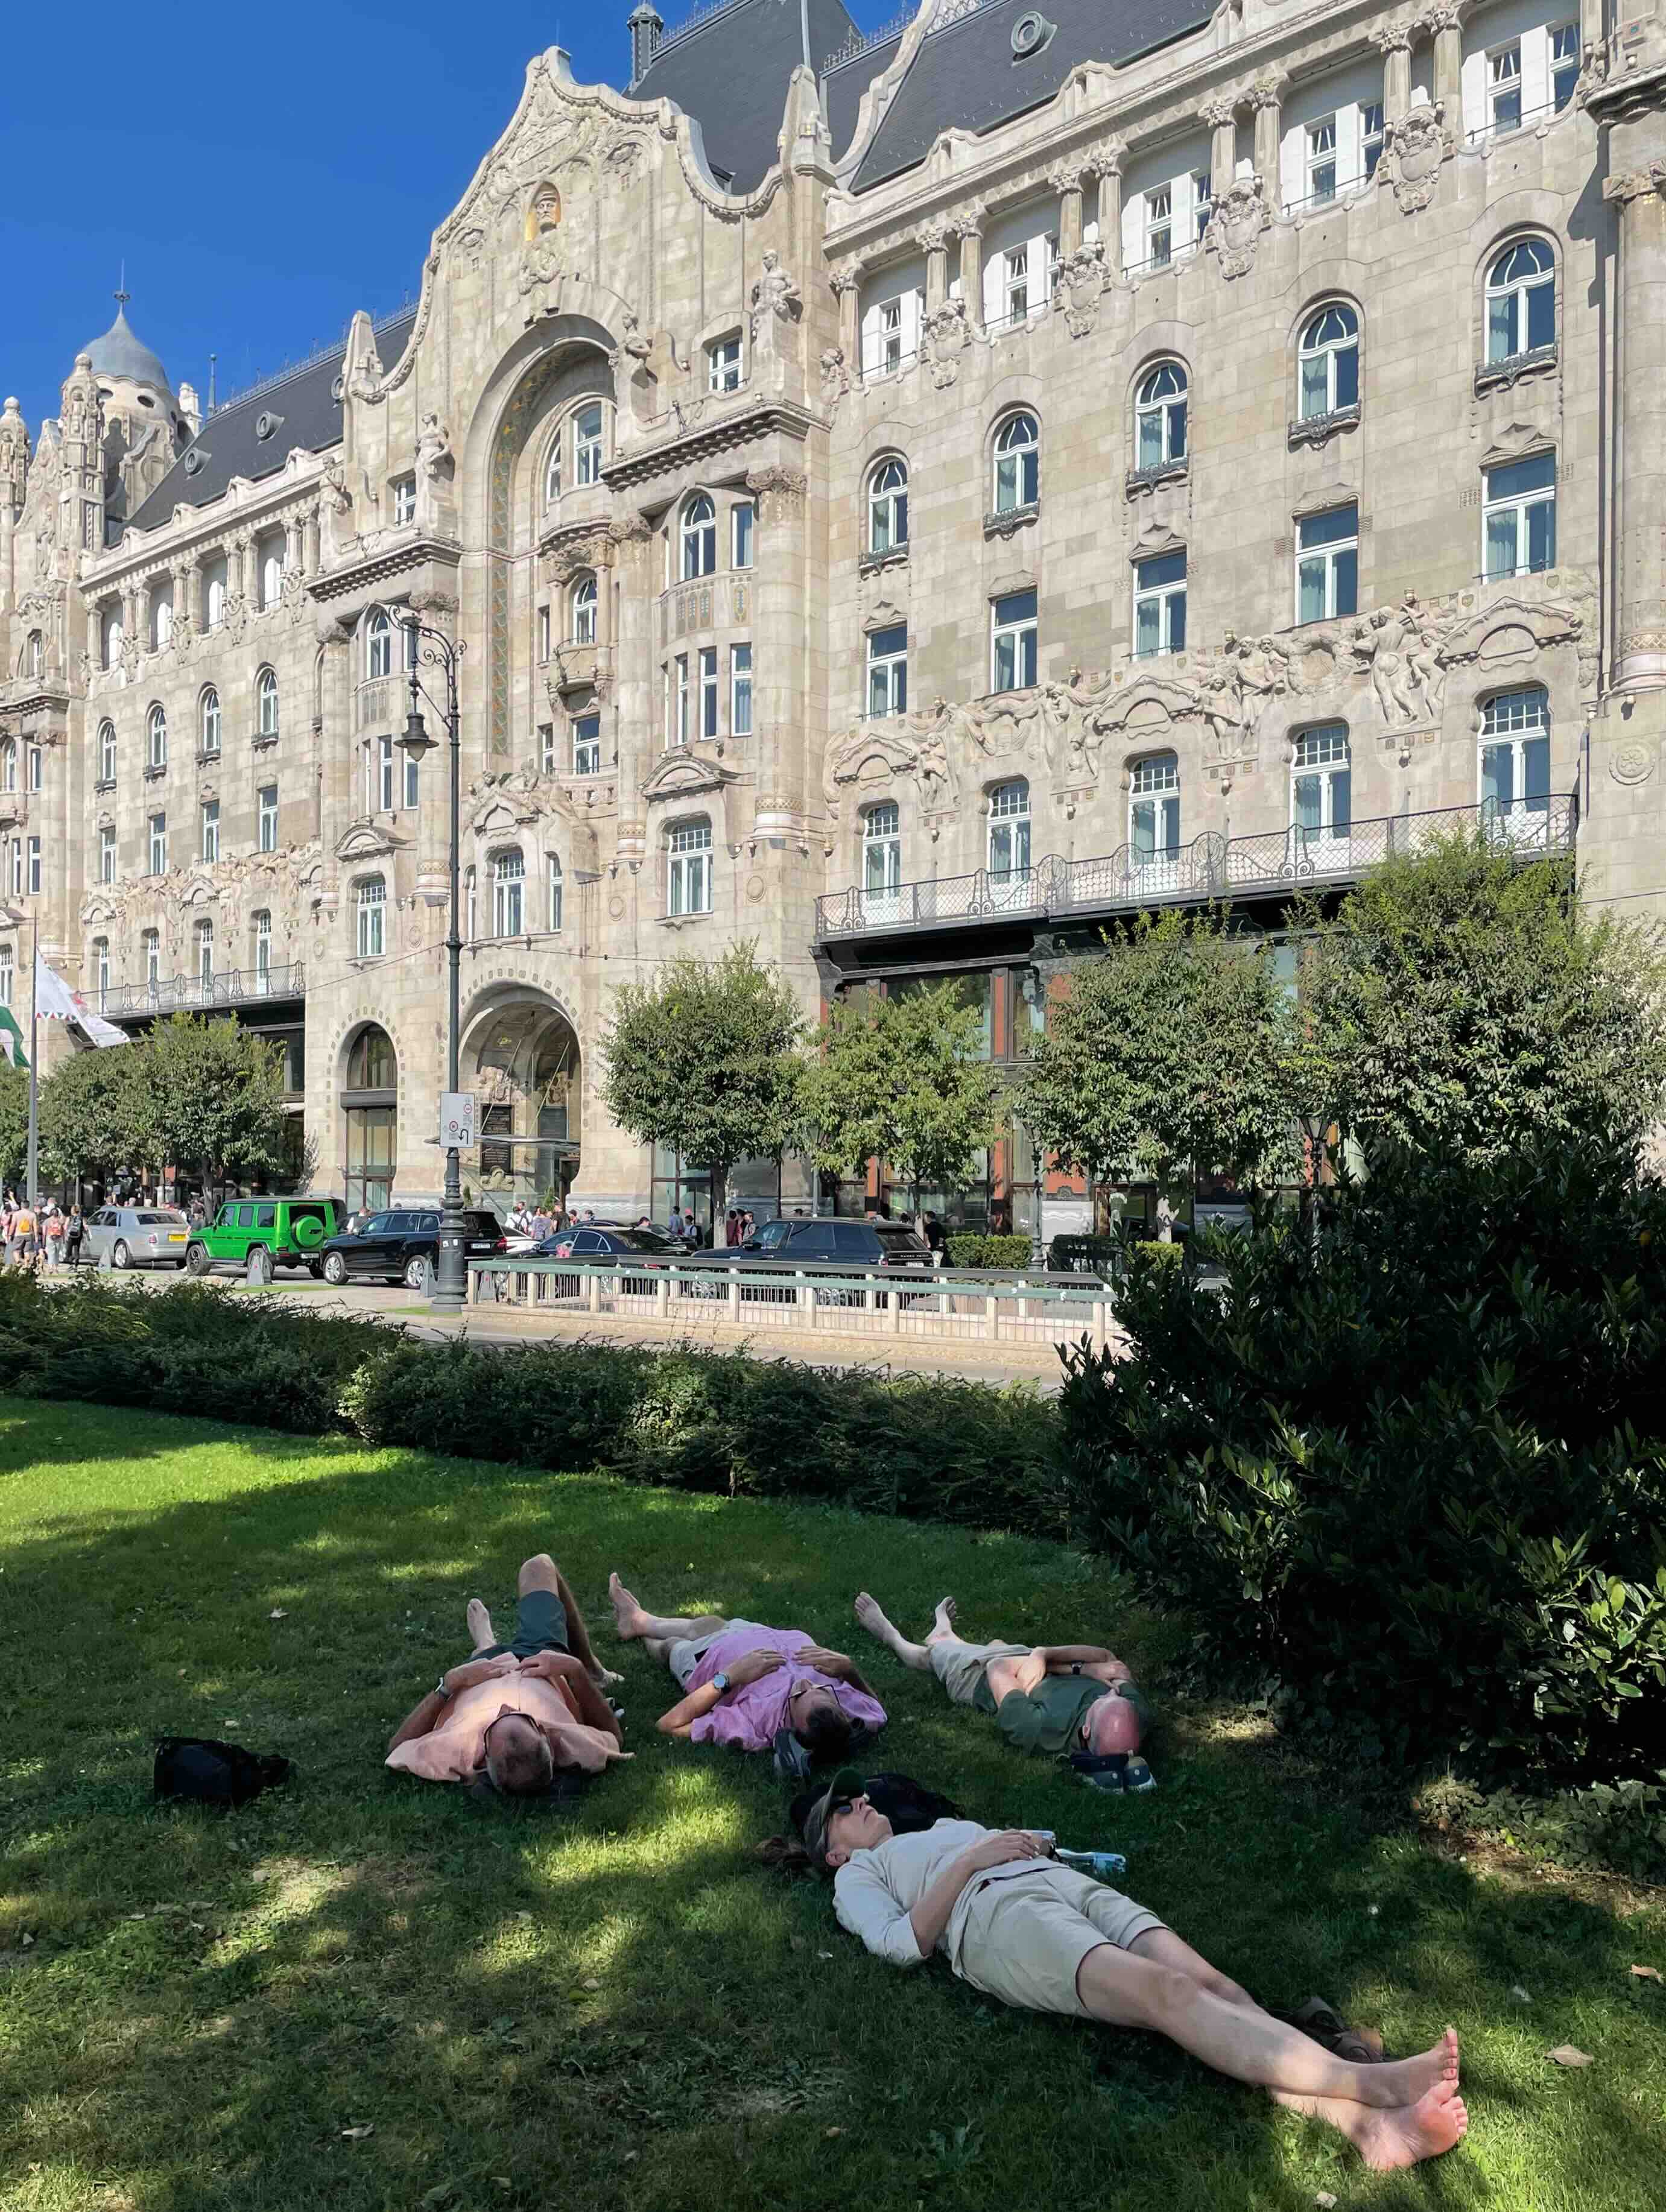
[723, 364]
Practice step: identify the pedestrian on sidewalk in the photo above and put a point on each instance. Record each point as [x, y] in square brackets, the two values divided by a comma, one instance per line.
[75, 1228]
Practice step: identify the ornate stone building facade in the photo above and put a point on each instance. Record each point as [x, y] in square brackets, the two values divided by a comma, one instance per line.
[905, 501]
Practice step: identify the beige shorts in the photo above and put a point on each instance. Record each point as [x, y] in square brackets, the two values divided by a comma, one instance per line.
[1024, 1939]
[685, 1655]
[959, 1667]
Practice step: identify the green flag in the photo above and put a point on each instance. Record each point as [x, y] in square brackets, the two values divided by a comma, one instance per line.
[11, 1039]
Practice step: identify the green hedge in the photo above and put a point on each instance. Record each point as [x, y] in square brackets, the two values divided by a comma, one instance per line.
[925, 1446]
[967, 1249]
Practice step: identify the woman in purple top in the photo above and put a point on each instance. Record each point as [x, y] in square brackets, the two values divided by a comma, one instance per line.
[743, 1682]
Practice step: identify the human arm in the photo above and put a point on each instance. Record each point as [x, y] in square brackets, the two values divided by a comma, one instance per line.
[588, 1703]
[869, 1908]
[834, 1664]
[424, 1716]
[686, 1711]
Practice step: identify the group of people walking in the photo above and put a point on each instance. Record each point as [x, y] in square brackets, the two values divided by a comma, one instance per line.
[523, 1717]
[41, 1236]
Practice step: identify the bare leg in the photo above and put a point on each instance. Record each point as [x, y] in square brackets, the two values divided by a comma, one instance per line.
[540, 1572]
[1395, 2115]
[631, 1621]
[943, 1622]
[481, 1632]
[911, 1655]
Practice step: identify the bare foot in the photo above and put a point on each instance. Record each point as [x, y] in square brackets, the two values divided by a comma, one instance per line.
[629, 1619]
[1407, 2081]
[604, 1677]
[480, 1625]
[868, 1613]
[943, 1621]
[1439, 2119]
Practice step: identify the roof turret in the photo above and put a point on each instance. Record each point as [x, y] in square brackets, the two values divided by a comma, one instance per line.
[120, 353]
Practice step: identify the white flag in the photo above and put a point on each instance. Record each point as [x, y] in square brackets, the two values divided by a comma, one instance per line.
[54, 1001]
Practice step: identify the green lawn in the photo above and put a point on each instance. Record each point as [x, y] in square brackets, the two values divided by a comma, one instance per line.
[613, 2006]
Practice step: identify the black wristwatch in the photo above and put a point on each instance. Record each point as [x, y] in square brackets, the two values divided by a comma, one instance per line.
[1075, 1666]
[719, 1683]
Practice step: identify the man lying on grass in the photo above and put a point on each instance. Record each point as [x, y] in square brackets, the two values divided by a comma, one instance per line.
[515, 1714]
[1018, 1926]
[743, 1683]
[1070, 1698]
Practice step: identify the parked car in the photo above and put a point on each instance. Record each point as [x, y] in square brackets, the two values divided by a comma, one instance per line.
[293, 1229]
[595, 1240]
[853, 1244]
[393, 1246]
[137, 1236]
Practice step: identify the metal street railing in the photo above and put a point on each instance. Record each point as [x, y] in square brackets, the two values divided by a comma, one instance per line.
[227, 987]
[1210, 866]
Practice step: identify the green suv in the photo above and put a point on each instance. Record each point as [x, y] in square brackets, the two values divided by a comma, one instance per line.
[291, 1228]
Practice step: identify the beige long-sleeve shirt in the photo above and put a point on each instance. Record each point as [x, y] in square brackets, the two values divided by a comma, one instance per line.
[874, 1892]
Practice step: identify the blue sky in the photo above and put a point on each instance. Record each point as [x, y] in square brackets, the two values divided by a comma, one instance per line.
[262, 172]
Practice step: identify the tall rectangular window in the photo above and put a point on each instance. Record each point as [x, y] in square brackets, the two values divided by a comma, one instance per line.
[372, 915]
[688, 868]
[269, 817]
[544, 633]
[159, 844]
[1321, 159]
[1504, 86]
[1159, 605]
[888, 670]
[709, 691]
[1015, 283]
[8, 972]
[153, 957]
[1158, 219]
[743, 516]
[106, 856]
[35, 768]
[1564, 64]
[1371, 136]
[1515, 755]
[891, 334]
[1154, 808]
[1519, 518]
[680, 692]
[15, 848]
[211, 828]
[34, 864]
[740, 690]
[587, 444]
[262, 946]
[405, 499]
[552, 878]
[1322, 786]
[588, 746]
[410, 780]
[378, 773]
[107, 753]
[546, 747]
[1203, 204]
[1328, 564]
[723, 364]
[1013, 642]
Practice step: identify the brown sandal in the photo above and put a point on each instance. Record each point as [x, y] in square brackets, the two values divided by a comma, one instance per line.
[1321, 2020]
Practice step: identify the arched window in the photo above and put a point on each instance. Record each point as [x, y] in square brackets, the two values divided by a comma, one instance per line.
[106, 752]
[205, 954]
[882, 851]
[1154, 809]
[9, 764]
[1521, 300]
[370, 904]
[110, 633]
[35, 655]
[1515, 759]
[508, 893]
[552, 872]
[1329, 363]
[689, 867]
[101, 969]
[370, 1107]
[265, 693]
[156, 737]
[210, 728]
[699, 538]
[378, 644]
[888, 506]
[1321, 788]
[1159, 416]
[1017, 463]
[584, 610]
[552, 468]
[1009, 830]
[587, 444]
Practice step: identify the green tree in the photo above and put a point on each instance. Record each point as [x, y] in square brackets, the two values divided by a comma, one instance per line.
[707, 1059]
[13, 1124]
[904, 1079]
[1173, 1050]
[87, 1110]
[207, 1094]
[1462, 1003]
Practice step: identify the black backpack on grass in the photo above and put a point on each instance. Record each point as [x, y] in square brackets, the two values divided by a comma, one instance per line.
[198, 1771]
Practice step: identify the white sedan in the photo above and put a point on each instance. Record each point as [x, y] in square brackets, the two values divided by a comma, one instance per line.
[136, 1237]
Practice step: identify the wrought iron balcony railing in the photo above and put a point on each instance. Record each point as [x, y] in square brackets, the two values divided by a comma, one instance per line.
[226, 987]
[1210, 867]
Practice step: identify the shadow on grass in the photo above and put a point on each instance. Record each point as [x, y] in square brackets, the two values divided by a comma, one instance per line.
[612, 2005]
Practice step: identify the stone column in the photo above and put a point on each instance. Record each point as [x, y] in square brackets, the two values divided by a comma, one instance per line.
[1639, 470]
[338, 752]
[309, 539]
[292, 561]
[932, 239]
[1393, 42]
[1445, 20]
[1220, 114]
[187, 616]
[1265, 97]
[1065, 178]
[1104, 164]
[967, 226]
[635, 725]
[847, 289]
[782, 616]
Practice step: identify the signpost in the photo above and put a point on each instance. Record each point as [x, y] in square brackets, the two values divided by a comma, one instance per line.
[458, 1120]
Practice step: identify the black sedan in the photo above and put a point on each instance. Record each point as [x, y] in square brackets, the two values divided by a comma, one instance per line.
[795, 1242]
[600, 1240]
[393, 1247]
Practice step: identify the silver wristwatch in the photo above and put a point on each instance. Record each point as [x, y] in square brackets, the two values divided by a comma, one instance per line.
[440, 1689]
[719, 1683]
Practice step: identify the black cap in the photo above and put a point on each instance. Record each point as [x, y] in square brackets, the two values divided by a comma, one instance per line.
[846, 1784]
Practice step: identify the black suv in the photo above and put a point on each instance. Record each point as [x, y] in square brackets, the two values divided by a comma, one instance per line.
[852, 1245]
[391, 1247]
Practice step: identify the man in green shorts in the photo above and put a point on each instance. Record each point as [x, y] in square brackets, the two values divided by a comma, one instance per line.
[1070, 1699]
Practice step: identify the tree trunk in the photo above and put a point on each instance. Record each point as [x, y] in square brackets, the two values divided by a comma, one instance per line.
[719, 1175]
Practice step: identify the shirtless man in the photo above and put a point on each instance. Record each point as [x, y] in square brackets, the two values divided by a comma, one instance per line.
[1070, 1698]
[514, 1713]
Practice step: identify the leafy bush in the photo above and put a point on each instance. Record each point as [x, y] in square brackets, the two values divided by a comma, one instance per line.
[925, 1446]
[967, 1249]
[1412, 1469]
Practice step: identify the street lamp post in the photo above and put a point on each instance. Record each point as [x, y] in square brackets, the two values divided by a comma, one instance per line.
[433, 648]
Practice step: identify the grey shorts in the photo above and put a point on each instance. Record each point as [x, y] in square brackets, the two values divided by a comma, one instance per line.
[685, 1655]
[1024, 1939]
[540, 1626]
[959, 1667]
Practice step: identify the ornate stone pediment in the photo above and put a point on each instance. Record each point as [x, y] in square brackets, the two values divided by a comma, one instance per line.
[1510, 630]
[682, 773]
[367, 841]
[911, 745]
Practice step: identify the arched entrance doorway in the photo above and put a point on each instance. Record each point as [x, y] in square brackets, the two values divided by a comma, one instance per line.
[521, 1058]
[369, 1116]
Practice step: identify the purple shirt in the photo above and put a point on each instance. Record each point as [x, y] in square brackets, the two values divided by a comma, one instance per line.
[749, 1716]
